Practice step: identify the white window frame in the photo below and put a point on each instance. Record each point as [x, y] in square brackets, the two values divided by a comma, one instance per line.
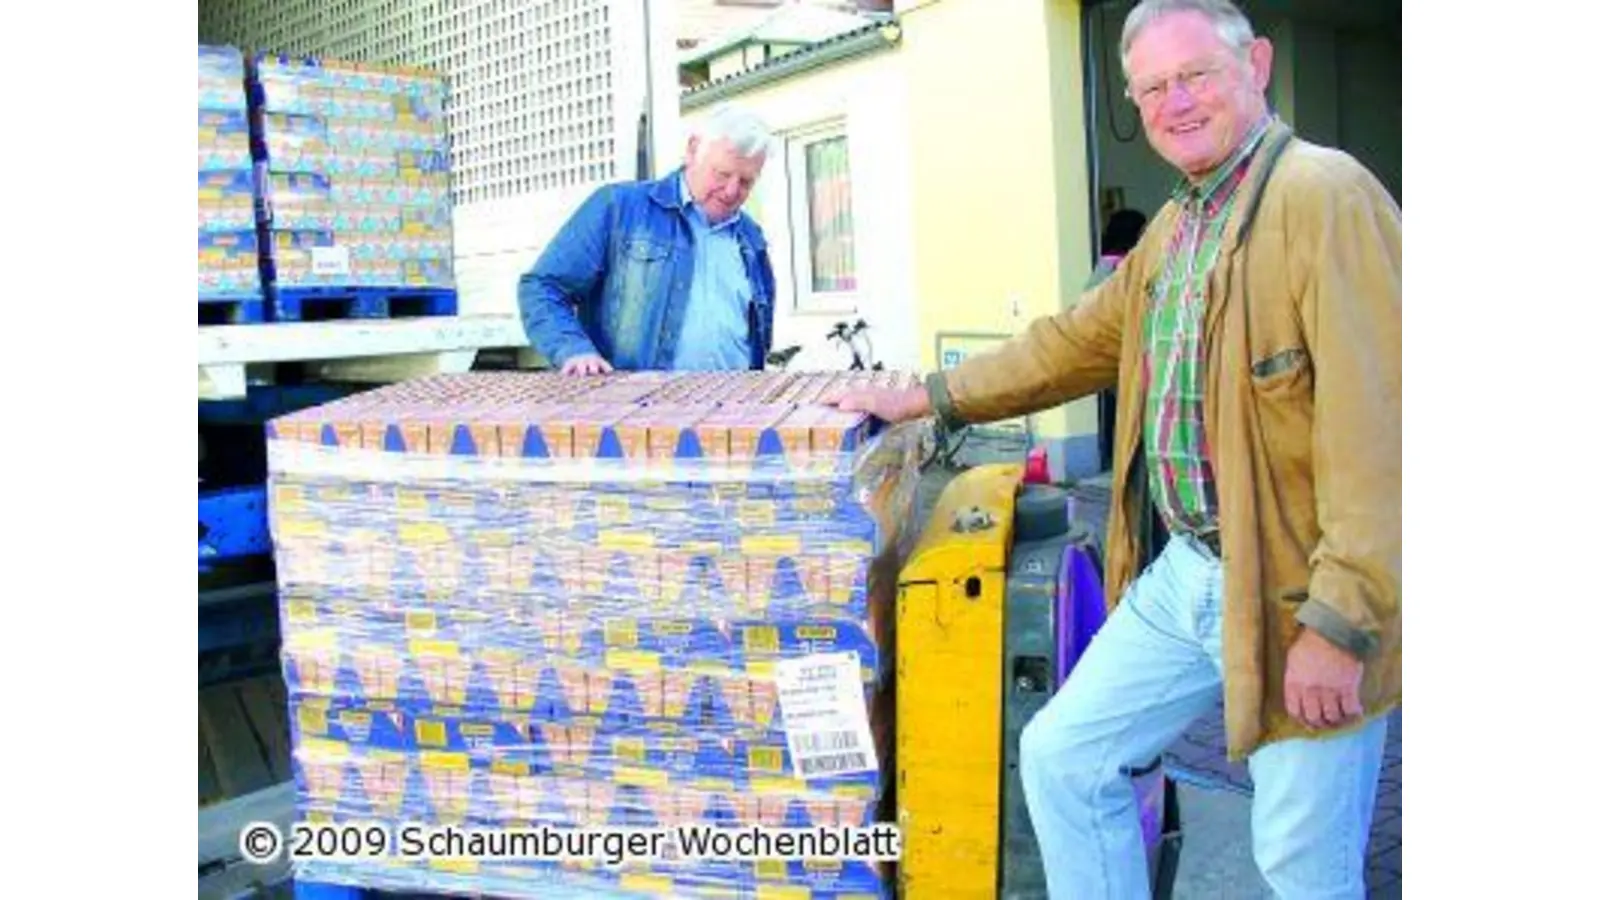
[807, 300]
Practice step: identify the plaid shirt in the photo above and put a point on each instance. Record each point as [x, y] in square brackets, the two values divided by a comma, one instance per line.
[1174, 433]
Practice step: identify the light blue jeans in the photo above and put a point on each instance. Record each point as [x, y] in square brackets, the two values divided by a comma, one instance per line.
[1153, 669]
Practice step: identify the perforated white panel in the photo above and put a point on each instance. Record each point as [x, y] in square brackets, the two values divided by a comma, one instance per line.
[545, 99]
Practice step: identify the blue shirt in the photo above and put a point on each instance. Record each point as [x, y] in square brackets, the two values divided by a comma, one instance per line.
[716, 330]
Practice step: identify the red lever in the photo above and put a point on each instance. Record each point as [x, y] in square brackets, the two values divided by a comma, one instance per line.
[1038, 467]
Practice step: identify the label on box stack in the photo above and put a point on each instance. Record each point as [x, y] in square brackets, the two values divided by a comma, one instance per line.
[825, 715]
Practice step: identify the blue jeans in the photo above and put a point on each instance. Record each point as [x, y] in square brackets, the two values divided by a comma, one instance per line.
[1152, 670]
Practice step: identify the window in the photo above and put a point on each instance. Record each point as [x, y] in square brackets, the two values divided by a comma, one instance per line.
[822, 222]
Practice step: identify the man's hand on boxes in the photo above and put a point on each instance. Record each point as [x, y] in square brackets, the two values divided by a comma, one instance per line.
[893, 405]
[587, 364]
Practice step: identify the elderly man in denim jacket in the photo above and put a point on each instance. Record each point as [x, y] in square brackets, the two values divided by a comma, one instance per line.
[665, 274]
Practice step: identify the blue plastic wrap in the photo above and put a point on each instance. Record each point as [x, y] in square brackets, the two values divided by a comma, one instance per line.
[515, 600]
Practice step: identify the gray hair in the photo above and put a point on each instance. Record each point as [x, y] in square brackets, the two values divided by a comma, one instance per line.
[738, 126]
[1231, 25]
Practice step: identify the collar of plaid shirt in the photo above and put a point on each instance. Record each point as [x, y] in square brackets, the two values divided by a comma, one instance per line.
[1209, 189]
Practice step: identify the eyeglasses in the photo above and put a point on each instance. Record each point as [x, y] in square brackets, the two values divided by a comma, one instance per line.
[1195, 80]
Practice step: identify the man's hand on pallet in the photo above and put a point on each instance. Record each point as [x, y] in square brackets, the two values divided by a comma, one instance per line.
[587, 364]
[893, 405]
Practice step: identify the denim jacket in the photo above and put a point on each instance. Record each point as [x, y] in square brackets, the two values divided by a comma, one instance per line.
[615, 280]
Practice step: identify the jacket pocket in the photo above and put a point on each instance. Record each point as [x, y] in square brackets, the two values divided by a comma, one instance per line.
[1280, 368]
[645, 250]
[641, 270]
[1283, 385]
[642, 267]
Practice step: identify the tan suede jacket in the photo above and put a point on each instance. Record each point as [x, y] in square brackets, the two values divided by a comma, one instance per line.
[1302, 407]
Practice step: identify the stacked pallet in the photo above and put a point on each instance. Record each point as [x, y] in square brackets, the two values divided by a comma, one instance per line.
[523, 600]
[230, 278]
[355, 189]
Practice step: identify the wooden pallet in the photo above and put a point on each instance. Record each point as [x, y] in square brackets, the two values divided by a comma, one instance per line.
[244, 738]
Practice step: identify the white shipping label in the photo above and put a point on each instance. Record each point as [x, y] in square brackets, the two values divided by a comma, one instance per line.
[330, 261]
[825, 715]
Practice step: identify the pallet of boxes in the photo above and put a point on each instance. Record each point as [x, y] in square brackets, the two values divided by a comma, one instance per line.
[230, 288]
[525, 607]
[353, 187]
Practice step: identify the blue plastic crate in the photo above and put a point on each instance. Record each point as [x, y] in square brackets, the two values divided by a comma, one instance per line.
[233, 524]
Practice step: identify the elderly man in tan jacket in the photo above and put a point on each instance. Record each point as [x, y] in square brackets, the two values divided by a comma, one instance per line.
[1255, 336]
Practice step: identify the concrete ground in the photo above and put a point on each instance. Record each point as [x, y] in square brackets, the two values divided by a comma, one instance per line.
[1216, 858]
[1215, 802]
[1215, 861]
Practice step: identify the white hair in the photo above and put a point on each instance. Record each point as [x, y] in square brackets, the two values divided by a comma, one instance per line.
[741, 128]
[1231, 25]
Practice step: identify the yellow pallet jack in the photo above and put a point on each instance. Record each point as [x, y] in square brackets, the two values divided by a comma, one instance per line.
[985, 633]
